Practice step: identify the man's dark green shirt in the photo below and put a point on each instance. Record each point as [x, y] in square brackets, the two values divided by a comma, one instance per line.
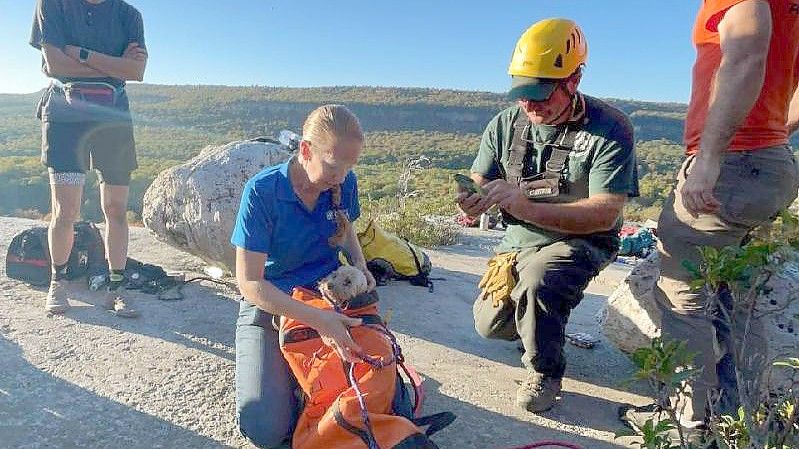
[603, 161]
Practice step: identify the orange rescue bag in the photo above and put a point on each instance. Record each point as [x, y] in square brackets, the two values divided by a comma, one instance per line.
[352, 406]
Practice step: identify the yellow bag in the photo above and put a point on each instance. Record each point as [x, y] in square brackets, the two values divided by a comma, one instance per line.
[498, 281]
[390, 257]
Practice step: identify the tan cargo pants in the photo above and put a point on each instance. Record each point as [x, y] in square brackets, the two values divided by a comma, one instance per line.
[753, 187]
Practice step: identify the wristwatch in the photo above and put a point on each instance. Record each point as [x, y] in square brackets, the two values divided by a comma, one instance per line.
[83, 55]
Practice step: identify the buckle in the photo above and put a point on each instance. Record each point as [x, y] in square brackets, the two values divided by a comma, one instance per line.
[557, 168]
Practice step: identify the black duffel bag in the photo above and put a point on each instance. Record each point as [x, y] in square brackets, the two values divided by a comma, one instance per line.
[28, 257]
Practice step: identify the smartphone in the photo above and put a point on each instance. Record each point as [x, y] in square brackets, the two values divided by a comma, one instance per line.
[467, 183]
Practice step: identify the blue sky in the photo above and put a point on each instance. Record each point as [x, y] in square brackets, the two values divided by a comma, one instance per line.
[639, 49]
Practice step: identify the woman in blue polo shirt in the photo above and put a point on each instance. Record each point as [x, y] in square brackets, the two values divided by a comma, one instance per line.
[286, 220]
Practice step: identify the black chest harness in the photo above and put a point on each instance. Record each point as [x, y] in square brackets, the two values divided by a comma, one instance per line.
[550, 182]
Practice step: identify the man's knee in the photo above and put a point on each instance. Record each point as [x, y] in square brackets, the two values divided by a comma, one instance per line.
[494, 322]
[485, 328]
[261, 429]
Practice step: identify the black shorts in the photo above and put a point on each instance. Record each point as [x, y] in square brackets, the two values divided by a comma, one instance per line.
[75, 147]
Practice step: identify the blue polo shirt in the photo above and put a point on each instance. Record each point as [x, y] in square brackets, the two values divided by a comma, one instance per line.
[274, 221]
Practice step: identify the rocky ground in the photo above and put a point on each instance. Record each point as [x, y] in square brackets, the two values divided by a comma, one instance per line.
[165, 380]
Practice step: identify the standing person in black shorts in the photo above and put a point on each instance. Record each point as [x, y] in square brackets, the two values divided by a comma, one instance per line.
[90, 48]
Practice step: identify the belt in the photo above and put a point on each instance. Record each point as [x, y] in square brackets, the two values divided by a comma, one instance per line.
[86, 85]
[86, 94]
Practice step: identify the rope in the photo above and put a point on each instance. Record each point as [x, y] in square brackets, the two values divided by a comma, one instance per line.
[375, 363]
[551, 444]
[159, 288]
[362, 404]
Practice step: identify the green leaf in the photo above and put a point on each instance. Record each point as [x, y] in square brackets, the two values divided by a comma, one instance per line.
[684, 375]
[697, 284]
[692, 268]
[664, 425]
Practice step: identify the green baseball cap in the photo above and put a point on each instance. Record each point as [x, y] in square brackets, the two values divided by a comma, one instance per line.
[536, 89]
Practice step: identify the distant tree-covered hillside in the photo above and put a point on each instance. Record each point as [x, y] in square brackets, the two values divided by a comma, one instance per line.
[174, 122]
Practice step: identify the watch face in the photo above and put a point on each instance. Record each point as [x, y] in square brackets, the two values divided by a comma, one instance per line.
[84, 55]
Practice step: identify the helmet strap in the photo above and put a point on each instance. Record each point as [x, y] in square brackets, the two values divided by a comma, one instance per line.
[569, 108]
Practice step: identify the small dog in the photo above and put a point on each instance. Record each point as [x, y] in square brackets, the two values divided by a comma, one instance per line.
[340, 286]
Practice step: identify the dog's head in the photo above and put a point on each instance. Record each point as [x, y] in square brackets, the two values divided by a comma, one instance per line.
[340, 286]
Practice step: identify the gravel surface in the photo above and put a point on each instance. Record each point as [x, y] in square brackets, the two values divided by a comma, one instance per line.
[165, 380]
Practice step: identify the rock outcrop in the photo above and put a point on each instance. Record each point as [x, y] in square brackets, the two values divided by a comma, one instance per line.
[193, 206]
[631, 318]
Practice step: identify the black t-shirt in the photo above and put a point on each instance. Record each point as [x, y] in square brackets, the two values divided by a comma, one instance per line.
[107, 27]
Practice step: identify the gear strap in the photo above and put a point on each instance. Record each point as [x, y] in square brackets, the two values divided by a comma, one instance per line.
[518, 149]
[342, 222]
[555, 155]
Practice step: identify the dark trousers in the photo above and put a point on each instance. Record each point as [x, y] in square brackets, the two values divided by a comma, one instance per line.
[550, 283]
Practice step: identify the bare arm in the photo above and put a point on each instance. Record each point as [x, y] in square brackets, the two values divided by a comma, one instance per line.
[793, 114]
[57, 63]
[264, 295]
[745, 33]
[597, 213]
[129, 67]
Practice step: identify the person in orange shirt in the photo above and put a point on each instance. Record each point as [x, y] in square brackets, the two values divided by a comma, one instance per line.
[739, 173]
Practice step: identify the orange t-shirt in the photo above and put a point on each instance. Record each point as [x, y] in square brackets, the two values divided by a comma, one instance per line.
[765, 125]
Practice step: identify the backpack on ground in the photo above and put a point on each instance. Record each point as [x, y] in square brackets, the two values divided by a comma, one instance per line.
[28, 256]
[390, 257]
[636, 242]
[353, 406]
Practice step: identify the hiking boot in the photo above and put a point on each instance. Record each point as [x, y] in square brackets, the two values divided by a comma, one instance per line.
[637, 417]
[537, 392]
[57, 301]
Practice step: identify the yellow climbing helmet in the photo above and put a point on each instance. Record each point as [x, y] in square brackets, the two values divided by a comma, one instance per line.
[550, 49]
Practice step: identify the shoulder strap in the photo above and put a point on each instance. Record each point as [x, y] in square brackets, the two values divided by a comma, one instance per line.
[435, 422]
[421, 279]
[518, 148]
[341, 219]
[556, 163]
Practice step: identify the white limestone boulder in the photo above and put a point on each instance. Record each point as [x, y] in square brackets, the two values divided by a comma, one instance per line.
[193, 206]
[631, 318]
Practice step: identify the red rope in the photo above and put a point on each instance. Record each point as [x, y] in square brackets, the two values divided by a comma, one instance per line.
[551, 444]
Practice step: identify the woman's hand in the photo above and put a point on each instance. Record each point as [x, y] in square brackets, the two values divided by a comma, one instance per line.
[334, 329]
